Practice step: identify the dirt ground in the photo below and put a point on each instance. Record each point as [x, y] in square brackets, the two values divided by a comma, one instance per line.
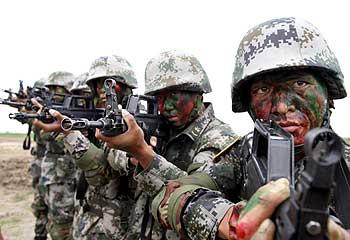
[16, 219]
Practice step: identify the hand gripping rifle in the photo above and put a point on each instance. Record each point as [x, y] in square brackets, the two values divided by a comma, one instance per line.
[305, 214]
[143, 108]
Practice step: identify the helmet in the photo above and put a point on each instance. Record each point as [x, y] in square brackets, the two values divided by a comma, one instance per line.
[60, 78]
[279, 44]
[39, 83]
[177, 71]
[113, 66]
[80, 83]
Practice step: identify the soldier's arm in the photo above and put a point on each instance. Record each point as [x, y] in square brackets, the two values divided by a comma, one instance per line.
[217, 139]
[86, 157]
[196, 190]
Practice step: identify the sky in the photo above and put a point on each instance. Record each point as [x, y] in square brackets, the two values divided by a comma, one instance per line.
[39, 37]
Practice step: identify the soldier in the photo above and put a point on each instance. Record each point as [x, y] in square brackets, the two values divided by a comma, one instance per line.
[58, 171]
[178, 81]
[107, 197]
[79, 85]
[284, 72]
[39, 207]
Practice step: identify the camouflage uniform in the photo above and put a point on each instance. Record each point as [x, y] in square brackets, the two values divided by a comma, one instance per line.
[58, 175]
[109, 198]
[193, 146]
[192, 209]
[106, 209]
[38, 206]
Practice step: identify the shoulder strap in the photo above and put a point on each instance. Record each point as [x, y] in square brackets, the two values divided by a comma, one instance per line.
[27, 141]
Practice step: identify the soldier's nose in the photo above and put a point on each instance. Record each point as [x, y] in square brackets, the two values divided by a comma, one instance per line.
[282, 104]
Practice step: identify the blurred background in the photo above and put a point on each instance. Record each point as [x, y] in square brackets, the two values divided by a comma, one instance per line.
[39, 37]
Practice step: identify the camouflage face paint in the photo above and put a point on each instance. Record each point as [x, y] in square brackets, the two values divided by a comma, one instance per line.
[100, 98]
[121, 90]
[58, 92]
[297, 101]
[179, 108]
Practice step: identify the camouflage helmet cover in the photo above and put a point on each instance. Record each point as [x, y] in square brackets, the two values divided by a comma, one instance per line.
[39, 83]
[285, 43]
[80, 83]
[113, 66]
[175, 70]
[60, 78]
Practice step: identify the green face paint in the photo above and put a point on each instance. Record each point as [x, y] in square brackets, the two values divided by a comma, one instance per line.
[59, 93]
[178, 107]
[296, 100]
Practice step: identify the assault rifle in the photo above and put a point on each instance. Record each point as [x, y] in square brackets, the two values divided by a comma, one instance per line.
[75, 106]
[143, 108]
[43, 95]
[20, 94]
[270, 156]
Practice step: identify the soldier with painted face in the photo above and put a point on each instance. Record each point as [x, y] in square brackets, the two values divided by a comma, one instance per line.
[58, 173]
[284, 72]
[39, 207]
[178, 81]
[107, 204]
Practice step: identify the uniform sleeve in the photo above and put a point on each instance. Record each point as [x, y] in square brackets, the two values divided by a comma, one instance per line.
[203, 213]
[197, 203]
[86, 157]
[119, 161]
[154, 177]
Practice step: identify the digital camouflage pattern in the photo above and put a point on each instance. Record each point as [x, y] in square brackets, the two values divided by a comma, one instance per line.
[79, 84]
[185, 152]
[39, 83]
[175, 70]
[292, 43]
[109, 210]
[113, 66]
[202, 209]
[206, 208]
[58, 185]
[39, 208]
[60, 78]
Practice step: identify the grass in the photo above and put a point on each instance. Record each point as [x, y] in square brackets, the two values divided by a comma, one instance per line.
[12, 135]
[21, 196]
[9, 220]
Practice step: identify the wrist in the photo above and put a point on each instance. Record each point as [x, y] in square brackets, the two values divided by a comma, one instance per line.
[144, 155]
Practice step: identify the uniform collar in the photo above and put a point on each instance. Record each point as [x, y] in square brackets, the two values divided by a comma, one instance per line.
[195, 129]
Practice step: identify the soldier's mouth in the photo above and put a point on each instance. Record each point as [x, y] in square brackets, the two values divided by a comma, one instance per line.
[172, 118]
[290, 126]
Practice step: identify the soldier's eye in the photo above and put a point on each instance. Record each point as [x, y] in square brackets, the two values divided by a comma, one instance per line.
[262, 90]
[300, 84]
